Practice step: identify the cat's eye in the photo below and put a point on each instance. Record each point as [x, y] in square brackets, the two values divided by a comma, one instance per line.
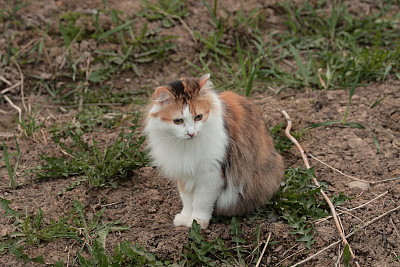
[178, 121]
[198, 117]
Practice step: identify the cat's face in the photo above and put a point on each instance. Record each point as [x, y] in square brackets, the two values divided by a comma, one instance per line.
[182, 107]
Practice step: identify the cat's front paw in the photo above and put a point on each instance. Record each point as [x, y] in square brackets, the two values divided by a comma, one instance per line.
[203, 223]
[181, 220]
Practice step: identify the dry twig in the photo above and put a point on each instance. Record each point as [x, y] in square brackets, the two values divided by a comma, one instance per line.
[22, 86]
[15, 107]
[347, 236]
[5, 80]
[292, 255]
[10, 88]
[360, 206]
[333, 168]
[328, 201]
[352, 177]
[263, 251]
[180, 20]
[386, 180]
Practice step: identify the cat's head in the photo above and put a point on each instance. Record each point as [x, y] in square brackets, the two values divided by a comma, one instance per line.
[182, 107]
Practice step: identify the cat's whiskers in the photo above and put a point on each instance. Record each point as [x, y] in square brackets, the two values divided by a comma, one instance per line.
[230, 164]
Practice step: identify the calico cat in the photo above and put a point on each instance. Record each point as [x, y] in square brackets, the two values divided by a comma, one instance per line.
[216, 147]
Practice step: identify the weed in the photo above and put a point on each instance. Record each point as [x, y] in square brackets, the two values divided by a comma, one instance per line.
[300, 203]
[346, 255]
[99, 166]
[340, 47]
[9, 17]
[125, 254]
[82, 74]
[281, 142]
[18, 252]
[235, 60]
[94, 117]
[202, 252]
[93, 229]
[12, 168]
[30, 125]
[345, 123]
[67, 26]
[142, 48]
[92, 233]
[238, 240]
[109, 95]
[31, 228]
[164, 10]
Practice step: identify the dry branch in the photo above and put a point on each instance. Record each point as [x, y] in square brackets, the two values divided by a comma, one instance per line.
[347, 236]
[263, 251]
[328, 201]
[172, 16]
[9, 88]
[22, 86]
[360, 206]
[16, 108]
[333, 168]
[5, 80]
[352, 177]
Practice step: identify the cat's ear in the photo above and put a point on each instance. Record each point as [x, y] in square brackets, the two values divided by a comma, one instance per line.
[203, 80]
[163, 95]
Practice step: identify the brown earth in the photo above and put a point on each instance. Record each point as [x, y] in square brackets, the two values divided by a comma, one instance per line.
[147, 202]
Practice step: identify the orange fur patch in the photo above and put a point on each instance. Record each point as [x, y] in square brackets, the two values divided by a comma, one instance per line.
[189, 94]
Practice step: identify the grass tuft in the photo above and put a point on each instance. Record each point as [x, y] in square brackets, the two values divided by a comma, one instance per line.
[100, 166]
[300, 203]
[12, 167]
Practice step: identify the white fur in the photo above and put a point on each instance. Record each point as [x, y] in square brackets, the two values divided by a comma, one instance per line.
[230, 196]
[196, 161]
[155, 108]
[181, 157]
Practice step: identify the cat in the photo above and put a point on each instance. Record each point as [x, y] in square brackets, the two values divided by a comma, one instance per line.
[216, 147]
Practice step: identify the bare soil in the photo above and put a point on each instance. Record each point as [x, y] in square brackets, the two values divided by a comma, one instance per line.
[148, 202]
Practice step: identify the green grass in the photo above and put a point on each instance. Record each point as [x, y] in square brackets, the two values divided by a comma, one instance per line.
[11, 161]
[30, 125]
[88, 230]
[218, 252]
[233, 59]
[75, 78]
[281, 142]
[299, 204]
[320, 46]
[342, 45]
[166, 11]
[325, 48]
[98, 165]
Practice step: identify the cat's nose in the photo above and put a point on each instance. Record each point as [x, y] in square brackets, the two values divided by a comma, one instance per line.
[191, 134]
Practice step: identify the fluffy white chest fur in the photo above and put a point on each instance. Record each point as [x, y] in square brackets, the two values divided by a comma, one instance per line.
[186, 159]
[215, 146]
[194, 162]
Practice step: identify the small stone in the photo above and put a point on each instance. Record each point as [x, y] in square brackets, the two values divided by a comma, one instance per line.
[152, 210]
[45, 76]
[359, 184]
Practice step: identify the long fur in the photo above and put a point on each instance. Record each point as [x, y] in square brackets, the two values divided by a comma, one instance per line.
[223, 161]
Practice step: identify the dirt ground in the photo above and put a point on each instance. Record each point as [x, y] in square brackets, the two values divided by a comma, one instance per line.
[148, 202]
